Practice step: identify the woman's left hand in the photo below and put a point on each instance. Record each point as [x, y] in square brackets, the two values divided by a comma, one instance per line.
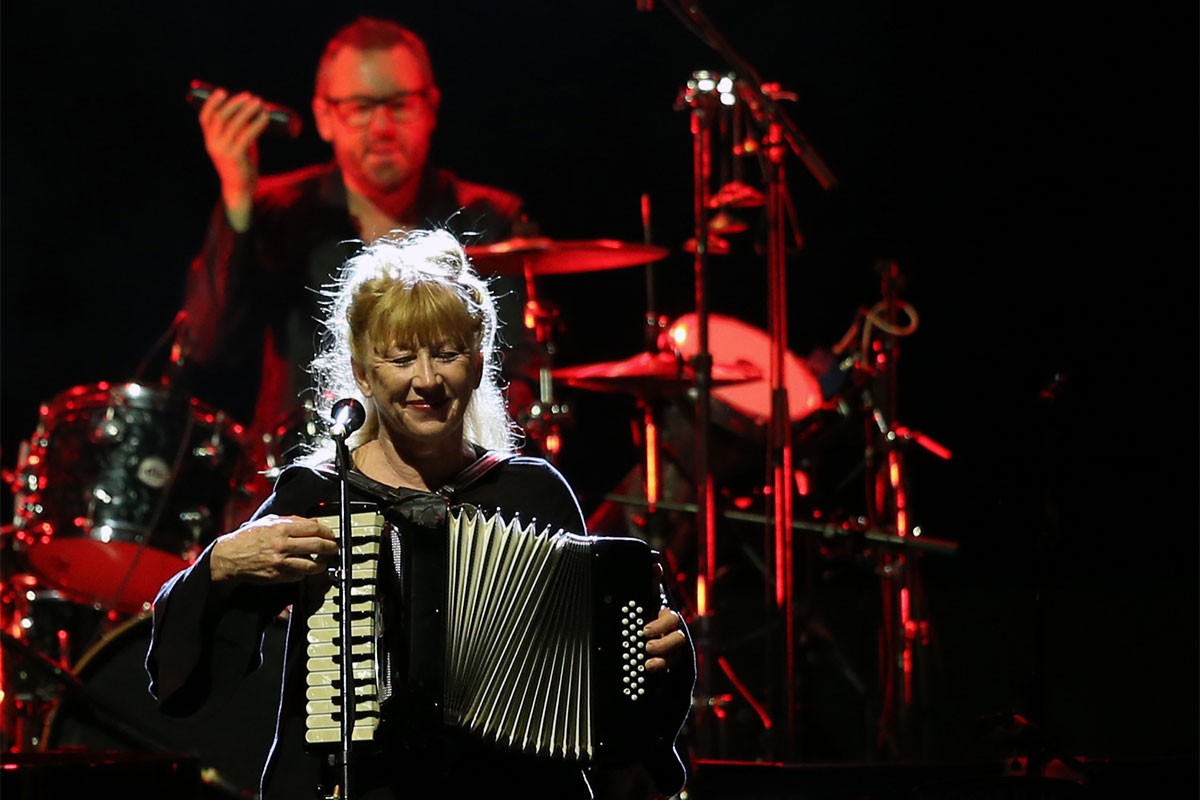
[666, 641]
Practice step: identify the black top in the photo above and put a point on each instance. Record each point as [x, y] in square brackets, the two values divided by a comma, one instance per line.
[206, 640]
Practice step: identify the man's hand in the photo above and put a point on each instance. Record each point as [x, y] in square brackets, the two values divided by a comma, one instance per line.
[232, 125]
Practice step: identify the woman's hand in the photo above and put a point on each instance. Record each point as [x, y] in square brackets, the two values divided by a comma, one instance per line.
[666, 641]
[273, 550]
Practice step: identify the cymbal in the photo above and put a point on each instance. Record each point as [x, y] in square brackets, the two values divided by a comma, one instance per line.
[650, 375]
[737, 195]
[543, 256]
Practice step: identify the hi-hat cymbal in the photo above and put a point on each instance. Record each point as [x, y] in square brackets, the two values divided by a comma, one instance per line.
[542, 256]
[650, 375]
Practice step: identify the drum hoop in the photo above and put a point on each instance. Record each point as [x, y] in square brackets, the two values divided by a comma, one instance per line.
[146, 397]
[116, 632]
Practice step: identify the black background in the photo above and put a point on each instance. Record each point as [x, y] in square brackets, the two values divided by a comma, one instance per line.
[1029, 167]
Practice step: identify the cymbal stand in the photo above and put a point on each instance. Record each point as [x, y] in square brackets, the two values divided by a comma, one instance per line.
[781, 137]
[546, 417]
[702, 97]
[905, 629]
[654, 324]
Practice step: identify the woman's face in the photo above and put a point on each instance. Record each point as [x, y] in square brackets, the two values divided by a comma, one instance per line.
[421, 394]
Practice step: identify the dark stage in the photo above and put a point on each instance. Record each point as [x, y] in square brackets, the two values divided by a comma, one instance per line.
[1017, 182]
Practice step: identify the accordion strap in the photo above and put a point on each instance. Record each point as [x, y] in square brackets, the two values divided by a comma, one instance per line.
[476, 470]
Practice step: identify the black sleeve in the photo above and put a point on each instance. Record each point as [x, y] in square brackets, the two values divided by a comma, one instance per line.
[205, 638]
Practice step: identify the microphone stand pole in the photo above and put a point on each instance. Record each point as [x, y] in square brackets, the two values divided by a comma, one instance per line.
[345, 588]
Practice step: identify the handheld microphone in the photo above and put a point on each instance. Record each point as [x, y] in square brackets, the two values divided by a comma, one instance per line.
[348, 416]
[281, 119]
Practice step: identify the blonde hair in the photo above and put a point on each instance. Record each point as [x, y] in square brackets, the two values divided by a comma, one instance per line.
[414, 288]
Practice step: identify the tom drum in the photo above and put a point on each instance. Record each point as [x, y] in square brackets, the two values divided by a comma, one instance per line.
[122, 485]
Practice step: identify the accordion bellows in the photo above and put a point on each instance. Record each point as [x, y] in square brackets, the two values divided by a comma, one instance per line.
[530, 639]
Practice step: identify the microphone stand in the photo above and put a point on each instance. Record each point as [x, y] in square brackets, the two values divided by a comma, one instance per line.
[344, 581]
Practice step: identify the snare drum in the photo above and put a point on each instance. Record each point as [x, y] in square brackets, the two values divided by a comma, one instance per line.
[745, 408]
[121, 486]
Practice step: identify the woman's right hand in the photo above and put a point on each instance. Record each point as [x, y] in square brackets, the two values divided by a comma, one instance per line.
[273, 549]
[231, 126]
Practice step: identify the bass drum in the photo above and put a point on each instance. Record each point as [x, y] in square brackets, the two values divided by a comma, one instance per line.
[111, 709]
[745, 408]
[739, 413]
[121, 486]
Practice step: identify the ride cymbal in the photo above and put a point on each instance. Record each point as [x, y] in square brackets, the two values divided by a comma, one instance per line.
[539, 255]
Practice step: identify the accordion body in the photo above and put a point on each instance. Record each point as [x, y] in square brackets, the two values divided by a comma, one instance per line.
[528, 639]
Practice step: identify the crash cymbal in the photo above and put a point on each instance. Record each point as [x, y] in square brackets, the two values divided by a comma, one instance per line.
[650, 375]
[542, 256]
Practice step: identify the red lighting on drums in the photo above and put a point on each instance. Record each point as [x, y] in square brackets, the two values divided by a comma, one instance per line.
[679, 334]
[116, 443]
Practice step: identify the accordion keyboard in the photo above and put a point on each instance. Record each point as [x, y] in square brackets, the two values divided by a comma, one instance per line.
[324, 680]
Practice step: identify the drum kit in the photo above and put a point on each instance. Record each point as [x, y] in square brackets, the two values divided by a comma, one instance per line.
[121, 485]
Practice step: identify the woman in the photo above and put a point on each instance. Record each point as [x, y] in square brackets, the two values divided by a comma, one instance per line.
[411, 334]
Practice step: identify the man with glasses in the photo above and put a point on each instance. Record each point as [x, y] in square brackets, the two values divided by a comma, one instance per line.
[251, 300]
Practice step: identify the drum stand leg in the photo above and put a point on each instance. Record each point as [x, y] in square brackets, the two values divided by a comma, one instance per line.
[32, 688]
[547, 416]
[905, 629]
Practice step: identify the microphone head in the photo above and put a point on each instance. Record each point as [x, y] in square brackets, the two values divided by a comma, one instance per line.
[348, 415]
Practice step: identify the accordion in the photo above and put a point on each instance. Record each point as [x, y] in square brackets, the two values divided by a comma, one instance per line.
[529, 639]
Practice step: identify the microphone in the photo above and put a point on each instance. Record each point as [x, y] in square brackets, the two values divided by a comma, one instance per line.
[281, 119]
[348, 416]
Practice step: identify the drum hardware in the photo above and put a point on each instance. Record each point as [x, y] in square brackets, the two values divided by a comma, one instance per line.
[544, 418]
[105, 707]
[532, 257]
[856, 529]
[536, 256]
[653, 375]
[539, 255]
[715, 246]
[710, 98]
[120, 486]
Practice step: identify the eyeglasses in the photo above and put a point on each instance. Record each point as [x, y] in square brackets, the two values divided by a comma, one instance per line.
[356, 111]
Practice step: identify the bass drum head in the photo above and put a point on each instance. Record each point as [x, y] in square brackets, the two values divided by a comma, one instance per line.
[745, 408]
[111, 709]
